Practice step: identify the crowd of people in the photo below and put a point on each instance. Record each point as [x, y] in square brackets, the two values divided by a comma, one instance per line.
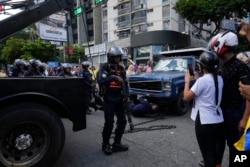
[133, 68]
[36, 68]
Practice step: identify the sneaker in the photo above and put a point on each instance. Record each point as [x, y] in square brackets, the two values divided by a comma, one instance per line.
[106, 148]
[201, 163]
[119, 147]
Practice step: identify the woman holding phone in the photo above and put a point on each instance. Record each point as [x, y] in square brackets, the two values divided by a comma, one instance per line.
[206, 112]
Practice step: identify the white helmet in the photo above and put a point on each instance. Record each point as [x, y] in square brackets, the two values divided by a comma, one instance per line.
[223, 42]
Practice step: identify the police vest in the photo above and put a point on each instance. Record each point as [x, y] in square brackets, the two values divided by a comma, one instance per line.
[115, 70]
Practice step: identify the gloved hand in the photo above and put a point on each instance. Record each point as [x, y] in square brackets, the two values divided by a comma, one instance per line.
[118, 79]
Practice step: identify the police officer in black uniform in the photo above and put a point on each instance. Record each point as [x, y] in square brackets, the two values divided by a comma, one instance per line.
[88, 82]
[34, 68]
[19, 69]
[111, 80]
[66, 70]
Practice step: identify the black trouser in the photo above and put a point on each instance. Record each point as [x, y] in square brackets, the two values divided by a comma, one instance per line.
[113, 104]
[211, 140]
[232, 118]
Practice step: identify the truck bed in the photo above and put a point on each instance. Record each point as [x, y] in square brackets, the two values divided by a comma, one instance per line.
[67, 92]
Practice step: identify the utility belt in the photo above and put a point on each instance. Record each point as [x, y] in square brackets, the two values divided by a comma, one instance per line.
[107, 90]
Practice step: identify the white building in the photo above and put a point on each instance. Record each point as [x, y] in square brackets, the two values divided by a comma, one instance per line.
[143, 28]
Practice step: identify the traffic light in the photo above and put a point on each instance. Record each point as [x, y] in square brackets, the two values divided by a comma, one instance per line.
[78, 11]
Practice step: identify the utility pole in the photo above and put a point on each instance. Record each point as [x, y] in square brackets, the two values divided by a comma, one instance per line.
[67, 29]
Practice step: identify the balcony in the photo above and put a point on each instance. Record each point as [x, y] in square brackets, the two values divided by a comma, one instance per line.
[139, 6]
[139, 20]
[124, 24]
[123, 11]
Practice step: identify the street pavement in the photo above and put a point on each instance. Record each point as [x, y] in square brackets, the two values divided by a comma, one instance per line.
[174, 145]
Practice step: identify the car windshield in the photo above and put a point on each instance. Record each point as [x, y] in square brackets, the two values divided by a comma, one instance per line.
[171, 64]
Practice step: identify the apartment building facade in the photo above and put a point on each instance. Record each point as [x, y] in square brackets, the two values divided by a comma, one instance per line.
[143, 28]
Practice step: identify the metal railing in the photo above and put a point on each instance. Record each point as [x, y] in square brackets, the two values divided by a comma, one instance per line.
[123, 24]
[139, 20]
[123, 11]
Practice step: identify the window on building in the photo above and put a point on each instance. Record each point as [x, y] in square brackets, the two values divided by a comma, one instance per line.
[166, 25]
[123, 34]
[91, 38]
[124, 21]
[143, 52]
[165, 1]
[139, 28]
[89, 15]
[166, 11]
[105, 26]
[104, 14]
[90, 27]
[139, 17]
[105, 37]
[157, 49]
[124, 8]
[138, 4]
[103, 58]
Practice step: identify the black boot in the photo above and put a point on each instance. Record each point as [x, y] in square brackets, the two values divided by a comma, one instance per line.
[117, 147]
[106, 148]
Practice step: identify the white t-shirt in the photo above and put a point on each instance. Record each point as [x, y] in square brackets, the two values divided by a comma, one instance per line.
[204, 89]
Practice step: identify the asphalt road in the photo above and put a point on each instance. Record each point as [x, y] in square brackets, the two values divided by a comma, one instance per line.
[174, 147]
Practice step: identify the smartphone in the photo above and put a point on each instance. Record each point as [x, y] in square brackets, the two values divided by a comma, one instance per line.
[191, 69]
[245, 79]
[231, 25]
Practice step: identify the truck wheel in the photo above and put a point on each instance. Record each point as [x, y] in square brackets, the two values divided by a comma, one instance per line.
[30, 135]
[181, 107]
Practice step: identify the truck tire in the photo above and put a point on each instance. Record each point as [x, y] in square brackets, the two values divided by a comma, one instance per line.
[30, 135]
[181, 107]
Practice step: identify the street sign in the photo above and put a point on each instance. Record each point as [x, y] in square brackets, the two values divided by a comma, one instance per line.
[98, 1]
[78, 11]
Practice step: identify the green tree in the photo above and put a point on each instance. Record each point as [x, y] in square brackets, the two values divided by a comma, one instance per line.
[41, 50]
[13, 49]
[202, 11]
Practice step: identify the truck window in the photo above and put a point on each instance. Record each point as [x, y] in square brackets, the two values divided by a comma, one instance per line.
[172, 64]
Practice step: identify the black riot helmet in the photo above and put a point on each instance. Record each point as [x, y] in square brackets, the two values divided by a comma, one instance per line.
[66, 65]
[19, 62]
[114, 52]
[208, 60]
[35, 63]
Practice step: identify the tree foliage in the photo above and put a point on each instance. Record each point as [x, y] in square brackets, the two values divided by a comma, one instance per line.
[13, 49]
[16, 48]
[202, 11]
[41, 50]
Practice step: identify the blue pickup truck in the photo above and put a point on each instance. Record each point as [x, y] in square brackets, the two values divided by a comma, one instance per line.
[165, 83]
